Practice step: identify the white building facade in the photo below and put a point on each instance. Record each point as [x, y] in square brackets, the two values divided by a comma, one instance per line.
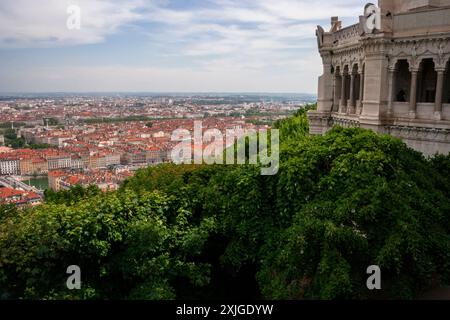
[390, 73]
[9, 167]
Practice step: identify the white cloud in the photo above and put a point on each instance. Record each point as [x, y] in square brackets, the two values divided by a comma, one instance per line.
[42, 23]
[250, 34]
[227, 44]
[29, 23]
[312, 10]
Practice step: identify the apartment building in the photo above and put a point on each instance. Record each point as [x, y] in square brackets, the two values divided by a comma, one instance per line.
[33, 166]
[19, 197]
[9, 165]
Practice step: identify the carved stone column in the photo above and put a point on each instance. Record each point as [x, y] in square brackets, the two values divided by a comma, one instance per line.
[413, 99]
[361, 93]
[439, 92]
[343, 104]
[351, 107]
[390, 111]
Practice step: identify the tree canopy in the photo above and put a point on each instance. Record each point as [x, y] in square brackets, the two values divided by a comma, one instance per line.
[340, 203]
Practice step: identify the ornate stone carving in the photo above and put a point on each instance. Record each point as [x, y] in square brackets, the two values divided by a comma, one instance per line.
[319, 34]
[384, 97]
[348, 57]
[371, 21]
[414, 51]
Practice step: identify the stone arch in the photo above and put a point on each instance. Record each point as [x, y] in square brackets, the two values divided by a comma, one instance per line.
[393, 62]
[402, 81]
[427, 80]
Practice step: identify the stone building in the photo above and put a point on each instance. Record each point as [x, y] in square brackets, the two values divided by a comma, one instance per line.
[389, 73]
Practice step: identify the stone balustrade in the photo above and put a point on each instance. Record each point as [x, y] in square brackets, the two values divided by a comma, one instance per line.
[346, 36]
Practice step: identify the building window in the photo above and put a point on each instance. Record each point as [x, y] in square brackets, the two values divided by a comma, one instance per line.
[427, 81]
[402, 83]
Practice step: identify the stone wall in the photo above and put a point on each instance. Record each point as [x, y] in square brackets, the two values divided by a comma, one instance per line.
[398, 6]
[395, 80]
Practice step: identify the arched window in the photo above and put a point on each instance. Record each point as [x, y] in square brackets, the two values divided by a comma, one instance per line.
[402, 83]
[427, 81]
[346, 76]
[353, 89]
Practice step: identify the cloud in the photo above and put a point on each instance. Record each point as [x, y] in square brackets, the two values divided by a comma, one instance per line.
[42, 23]
[231, 43]
[312, 10]
[31, 23]
[247, 33]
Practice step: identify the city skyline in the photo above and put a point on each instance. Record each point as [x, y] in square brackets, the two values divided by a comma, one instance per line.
[164, 46]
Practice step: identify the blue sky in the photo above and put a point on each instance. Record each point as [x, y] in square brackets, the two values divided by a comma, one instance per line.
[165, 45]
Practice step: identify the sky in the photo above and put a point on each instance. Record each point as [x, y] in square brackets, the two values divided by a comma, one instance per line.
[165, 45]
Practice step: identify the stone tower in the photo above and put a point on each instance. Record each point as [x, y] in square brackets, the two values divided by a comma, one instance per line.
[389, 73]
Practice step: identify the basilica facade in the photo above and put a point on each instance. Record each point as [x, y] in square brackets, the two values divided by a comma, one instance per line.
[390, 73]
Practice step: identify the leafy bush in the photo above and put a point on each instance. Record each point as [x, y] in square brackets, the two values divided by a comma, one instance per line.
[340, 203]
[357, 199]
[123, 244]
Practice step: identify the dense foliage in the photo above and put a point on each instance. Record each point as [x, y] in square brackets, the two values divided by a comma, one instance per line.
[340, 203]
[12, 140]
[125, 244]
[69, 197]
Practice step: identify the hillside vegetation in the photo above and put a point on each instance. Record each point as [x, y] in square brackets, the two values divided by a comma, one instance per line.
[340, 203]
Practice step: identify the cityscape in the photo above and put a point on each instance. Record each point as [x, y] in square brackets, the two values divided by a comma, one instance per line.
[224, 158]
[60, 141]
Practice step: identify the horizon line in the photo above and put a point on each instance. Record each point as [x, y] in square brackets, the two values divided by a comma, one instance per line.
[155, 92]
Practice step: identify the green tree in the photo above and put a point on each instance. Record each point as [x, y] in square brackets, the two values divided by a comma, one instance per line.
[11, 139]
[360, 199]
[340, 202]
[124, 244]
